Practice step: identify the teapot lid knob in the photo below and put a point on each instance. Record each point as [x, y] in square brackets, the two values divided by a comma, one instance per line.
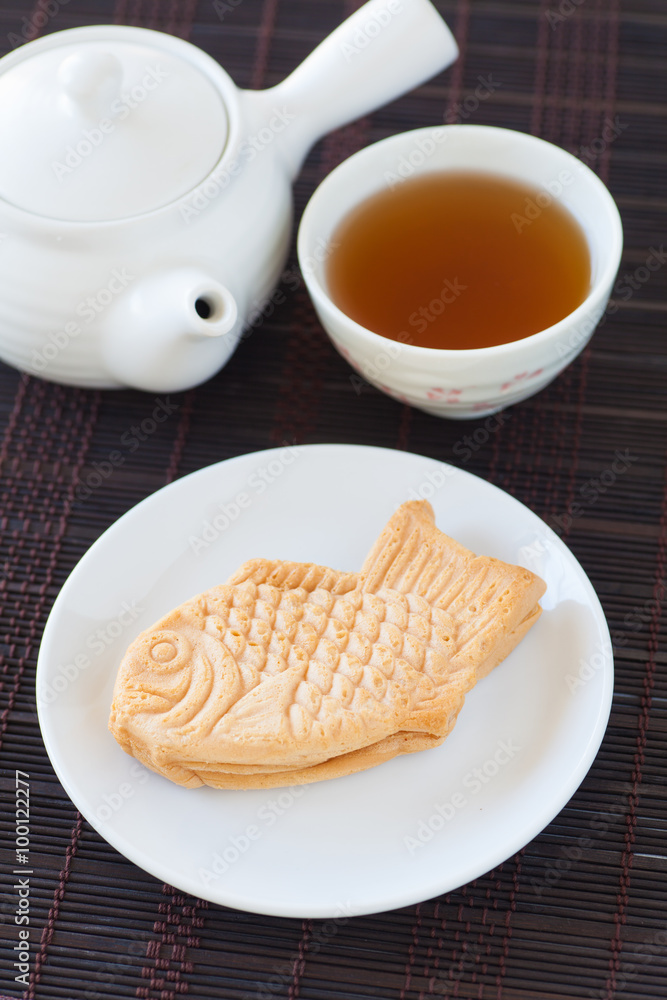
[109, 122]
[91, 81]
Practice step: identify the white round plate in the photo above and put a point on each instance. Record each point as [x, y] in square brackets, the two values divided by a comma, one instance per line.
[405, 831]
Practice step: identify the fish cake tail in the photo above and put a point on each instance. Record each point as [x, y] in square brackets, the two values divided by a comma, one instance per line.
[492, 603]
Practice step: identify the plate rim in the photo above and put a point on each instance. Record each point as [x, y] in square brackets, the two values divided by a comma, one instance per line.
[236, 900]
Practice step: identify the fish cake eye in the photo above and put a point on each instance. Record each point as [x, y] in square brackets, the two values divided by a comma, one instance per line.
[167, 651]
[163, 651]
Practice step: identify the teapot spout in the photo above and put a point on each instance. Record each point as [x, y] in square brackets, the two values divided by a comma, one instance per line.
[170, 331]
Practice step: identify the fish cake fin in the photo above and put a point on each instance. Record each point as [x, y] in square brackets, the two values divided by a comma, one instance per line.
[493, 603]
[290, 575]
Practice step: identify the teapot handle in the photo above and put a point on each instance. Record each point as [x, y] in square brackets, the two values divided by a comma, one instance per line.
[383, 50]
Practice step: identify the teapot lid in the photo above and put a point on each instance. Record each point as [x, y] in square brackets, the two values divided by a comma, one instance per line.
[113, 125]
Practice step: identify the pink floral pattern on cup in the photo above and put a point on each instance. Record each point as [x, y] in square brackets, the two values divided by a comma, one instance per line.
[524, 376]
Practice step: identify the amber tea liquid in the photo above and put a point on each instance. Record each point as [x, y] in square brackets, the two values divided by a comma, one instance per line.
[459, 259]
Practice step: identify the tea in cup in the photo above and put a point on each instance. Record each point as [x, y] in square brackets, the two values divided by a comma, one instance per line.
[465, 266]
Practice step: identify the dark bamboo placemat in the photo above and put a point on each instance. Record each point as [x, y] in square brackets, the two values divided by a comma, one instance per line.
[581, 910]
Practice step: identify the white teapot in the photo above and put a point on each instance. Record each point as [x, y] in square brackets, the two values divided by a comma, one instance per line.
[145, 201]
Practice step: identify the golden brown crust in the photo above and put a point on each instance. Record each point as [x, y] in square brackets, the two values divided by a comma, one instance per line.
[290, 575]
[336, 767]
[284, 679]
[493, 603]
[293, 672]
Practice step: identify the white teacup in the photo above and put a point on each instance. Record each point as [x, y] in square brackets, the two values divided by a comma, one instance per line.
[463, 383]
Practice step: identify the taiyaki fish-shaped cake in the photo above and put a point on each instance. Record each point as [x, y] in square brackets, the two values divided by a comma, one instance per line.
[291, 673]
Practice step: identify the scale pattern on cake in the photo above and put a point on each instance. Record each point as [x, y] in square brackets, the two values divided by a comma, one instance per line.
[292, 672]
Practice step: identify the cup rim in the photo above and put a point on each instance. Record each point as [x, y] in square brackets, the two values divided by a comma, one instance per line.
[586, 308]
